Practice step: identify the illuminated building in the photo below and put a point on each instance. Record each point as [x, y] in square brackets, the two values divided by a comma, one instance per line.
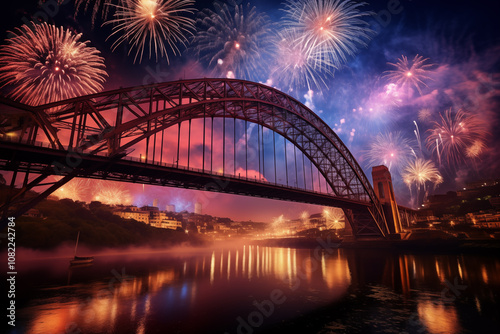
[197, 208]
[150, 215]
[128, 213]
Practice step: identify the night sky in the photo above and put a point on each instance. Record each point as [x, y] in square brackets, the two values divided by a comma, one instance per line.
[459, 38]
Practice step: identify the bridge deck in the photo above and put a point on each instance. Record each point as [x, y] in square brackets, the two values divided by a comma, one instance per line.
[36, 159]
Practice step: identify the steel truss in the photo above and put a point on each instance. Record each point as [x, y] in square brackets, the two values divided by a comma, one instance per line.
[142, 113]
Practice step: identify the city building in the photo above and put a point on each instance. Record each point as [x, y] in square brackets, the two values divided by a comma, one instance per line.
[477, 204]
[134, 213]
[150, 215]
[197, 208]
[484, 219]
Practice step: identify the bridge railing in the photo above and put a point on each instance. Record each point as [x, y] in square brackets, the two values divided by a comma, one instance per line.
[168, 165]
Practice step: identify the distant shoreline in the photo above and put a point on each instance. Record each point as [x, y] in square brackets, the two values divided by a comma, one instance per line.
[423, 245]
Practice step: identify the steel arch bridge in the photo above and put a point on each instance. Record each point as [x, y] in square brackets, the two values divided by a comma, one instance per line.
[93, 137]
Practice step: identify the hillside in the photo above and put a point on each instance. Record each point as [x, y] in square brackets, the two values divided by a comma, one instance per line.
[62, 219]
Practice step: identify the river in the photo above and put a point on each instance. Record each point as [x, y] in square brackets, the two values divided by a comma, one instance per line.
[256, 289]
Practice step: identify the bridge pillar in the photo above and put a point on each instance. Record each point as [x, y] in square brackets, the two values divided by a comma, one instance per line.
[382, 184]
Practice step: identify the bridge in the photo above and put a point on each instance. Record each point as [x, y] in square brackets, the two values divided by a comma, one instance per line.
[223, 135]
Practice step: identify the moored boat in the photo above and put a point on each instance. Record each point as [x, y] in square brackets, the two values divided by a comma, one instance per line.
[77, 260]
[81, 260]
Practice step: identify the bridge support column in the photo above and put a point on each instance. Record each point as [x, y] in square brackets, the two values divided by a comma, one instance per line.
[382, 184]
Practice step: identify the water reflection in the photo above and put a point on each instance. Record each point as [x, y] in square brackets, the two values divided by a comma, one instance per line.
[438, 293]
[437, 317]
[148, 293]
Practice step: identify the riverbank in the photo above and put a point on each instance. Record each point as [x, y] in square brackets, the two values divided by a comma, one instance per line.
[428, 245]
[60, 221]
[452, 245]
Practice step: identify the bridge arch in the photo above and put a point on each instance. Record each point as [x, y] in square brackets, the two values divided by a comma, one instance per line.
[141, 112]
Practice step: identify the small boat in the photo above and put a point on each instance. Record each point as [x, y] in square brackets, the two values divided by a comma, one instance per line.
[81, 260]
[78, 260]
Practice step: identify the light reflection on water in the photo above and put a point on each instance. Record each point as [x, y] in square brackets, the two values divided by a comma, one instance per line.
[217, 290]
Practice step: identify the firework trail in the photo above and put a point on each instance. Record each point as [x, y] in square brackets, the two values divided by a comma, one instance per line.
[152, 25]
[419, 172]
[438, 152]
[294, 64]
[99, 6]
[235, 40]
[46, 64]
[417, 135]
[391, 149]
[332, 30]
[454, 133]
[409, 75]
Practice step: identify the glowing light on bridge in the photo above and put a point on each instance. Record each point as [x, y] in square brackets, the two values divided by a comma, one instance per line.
[45, 63]
[233, 39]
[334, 218]
[152, 26]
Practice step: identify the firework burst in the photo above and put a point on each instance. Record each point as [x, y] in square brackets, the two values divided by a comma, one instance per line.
[420, 172]
[279, 225]
[295, 63]
[112, 193]
[235, 40]
[334, 29]
[44, 64]
[391, 149]
[152, 25]
[409, 74]
[76, 189]
[456, 136]
[424, 115]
